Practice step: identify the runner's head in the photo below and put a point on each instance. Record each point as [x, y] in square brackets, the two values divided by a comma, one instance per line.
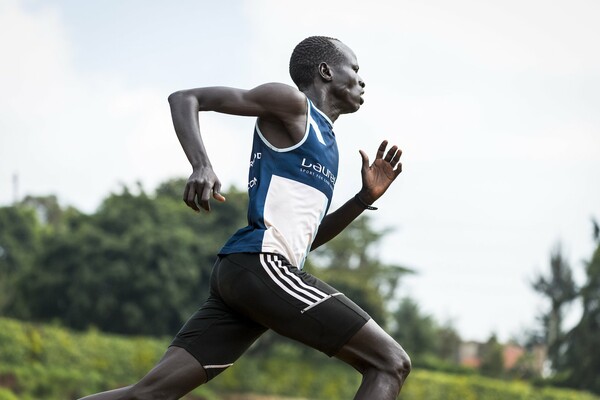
[328, 64]
[309, 54]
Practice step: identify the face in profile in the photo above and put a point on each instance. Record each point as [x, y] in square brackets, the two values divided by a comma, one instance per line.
[348, 86]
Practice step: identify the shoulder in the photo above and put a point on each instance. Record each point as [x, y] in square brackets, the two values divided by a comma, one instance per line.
[280, 97]
[284, 124]
[280, 88]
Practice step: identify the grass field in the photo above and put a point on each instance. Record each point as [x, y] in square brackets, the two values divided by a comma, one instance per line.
[45, 362]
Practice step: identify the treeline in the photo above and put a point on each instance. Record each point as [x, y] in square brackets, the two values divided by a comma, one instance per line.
[140, 265]
[574, 353]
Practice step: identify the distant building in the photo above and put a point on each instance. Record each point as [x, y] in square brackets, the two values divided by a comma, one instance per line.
[470, 354]
[511, 355]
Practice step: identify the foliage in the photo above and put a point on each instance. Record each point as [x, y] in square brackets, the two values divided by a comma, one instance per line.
[492, 361]
[435, 385]
[20, 241]
[582, 358]
[429, 344]
[40, 361]
[414, 330]
[141, 263]
[51, 363]
[138, 265]
[560, 289]
[575, 353]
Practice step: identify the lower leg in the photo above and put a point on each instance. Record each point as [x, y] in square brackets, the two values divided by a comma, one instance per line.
[379, 385]
[175, 375]
[115, 394]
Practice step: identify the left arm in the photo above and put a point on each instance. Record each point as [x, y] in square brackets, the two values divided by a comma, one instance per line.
[376, 179]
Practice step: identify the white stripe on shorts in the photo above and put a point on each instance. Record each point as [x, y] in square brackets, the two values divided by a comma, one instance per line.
[217, 366]
[291, 284]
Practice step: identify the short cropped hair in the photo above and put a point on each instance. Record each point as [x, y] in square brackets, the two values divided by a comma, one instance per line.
[307, 56]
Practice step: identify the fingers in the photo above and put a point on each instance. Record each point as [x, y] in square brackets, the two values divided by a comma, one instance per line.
[381, 149]
[365, 159]
[189, 196]
[397, 170]
[217, 192]
[197, 194]
[205, 197]
[391, 154]
[395, 160]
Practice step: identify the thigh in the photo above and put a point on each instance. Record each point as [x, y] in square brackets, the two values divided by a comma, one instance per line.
[216, 336]
[371, 347]
[293, 303]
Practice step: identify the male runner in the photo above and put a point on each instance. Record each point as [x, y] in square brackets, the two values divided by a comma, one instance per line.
[258, 282]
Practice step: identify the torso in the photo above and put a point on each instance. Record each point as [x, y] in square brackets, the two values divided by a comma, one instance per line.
[290, 190]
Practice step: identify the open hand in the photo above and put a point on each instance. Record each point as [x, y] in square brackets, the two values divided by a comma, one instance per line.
[377, 177]
[200, 186]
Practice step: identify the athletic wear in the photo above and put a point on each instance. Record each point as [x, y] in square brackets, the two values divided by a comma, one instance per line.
[250, 293]
[257, 283]
[290, 192]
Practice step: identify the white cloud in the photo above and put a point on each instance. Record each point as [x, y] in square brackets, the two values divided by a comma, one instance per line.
[81, 133]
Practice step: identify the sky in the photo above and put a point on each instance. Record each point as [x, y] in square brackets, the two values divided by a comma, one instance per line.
[494, 104]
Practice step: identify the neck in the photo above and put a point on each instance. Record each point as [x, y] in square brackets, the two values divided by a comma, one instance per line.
[320, 99]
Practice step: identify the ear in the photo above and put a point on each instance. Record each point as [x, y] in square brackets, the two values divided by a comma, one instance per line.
[325, 72]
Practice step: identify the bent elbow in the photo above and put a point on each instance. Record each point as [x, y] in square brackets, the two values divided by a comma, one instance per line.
[176, 97]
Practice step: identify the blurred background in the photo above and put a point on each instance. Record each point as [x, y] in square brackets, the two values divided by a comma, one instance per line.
[482, 260]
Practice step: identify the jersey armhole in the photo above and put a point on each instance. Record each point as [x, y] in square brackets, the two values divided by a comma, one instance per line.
[286, 149]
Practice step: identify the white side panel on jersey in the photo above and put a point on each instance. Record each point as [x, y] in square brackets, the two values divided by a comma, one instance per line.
[315, 126]
[293, 212]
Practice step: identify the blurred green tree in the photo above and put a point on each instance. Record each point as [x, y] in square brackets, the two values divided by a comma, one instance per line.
[582, 358]
[20, 242]
[448, 342]
[139, 265]
[560, 290]
[414, 330]
[492, 359]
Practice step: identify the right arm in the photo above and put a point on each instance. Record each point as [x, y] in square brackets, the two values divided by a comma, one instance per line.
[271, 101]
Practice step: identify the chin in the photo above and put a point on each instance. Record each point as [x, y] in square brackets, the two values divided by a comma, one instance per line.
[353, 107]
[351, 110]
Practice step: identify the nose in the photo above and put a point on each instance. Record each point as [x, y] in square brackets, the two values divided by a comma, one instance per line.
[361, 82]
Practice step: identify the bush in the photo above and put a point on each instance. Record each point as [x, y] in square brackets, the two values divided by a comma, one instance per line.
[6, 394]
[434, 386]
[51, 363]
[46, 362]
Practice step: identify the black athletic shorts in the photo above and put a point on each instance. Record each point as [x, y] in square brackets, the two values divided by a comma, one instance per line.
[250, 293]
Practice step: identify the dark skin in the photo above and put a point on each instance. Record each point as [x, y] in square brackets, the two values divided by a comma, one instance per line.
[282, 113]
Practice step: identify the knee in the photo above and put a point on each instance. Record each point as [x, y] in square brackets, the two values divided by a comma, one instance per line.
[404, 365]
[398, 364]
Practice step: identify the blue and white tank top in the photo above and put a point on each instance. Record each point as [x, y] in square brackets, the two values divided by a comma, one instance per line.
[289, 191]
